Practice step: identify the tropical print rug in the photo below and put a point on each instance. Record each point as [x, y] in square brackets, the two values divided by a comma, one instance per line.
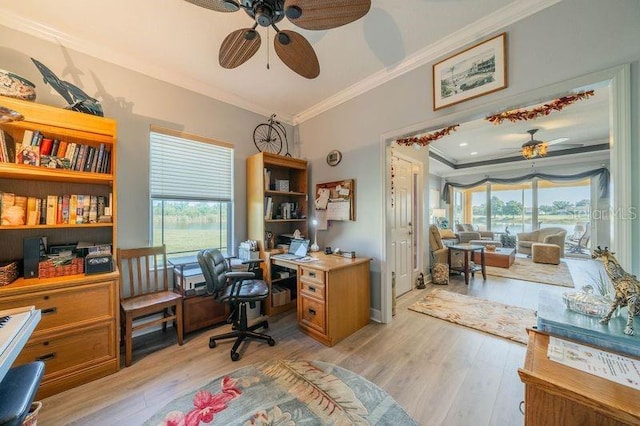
[287, 393]
[525, 269]
[495, 318]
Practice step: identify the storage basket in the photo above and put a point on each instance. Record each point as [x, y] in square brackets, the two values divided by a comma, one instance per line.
[32, 417]
[48, 269]
[280, 295]
[9, 272]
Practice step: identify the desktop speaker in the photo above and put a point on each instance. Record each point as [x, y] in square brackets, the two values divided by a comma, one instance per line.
[31, 251]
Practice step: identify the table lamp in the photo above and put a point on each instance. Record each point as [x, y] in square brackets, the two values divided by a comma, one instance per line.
[314, 246]
[437, 215]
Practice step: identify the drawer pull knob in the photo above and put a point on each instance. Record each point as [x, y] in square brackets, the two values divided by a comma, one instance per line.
[312, 274]
[49, 311]
[312, 311]
[46, 357]
[312, 289]
[46, 298]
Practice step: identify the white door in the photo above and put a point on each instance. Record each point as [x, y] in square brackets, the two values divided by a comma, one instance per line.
[401, 225]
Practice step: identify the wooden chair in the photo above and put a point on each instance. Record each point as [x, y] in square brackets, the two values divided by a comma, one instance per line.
[144, 292]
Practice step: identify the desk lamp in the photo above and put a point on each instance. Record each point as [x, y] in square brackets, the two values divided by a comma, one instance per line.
[314, 246]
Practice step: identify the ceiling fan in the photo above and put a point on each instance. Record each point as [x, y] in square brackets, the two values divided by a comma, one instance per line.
[292, 48]
[534, 148]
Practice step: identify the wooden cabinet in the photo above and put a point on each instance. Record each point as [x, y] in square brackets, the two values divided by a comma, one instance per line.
[266, 175]
[78, 334]
[333, 295]
[556, 394]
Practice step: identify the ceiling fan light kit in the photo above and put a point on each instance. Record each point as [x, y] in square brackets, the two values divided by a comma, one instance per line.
[292, 48]
[534, 148]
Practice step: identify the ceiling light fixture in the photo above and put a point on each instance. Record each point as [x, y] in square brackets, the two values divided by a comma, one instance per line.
[534, 148]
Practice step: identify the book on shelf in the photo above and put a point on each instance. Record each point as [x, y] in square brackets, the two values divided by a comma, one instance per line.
[76, 155]
[87, 164]
[86, 204]
[62, 149]
[59, 210]
[45, 146]
[268, 210]
[7, 147]
[71, 148]
[79, 209]
[21, 202]
[27, 137]
[73, 208]
[93, 209]
[28, 154]
[6, 200]
[98, 167]
[32, 211]
[52, 209]
[43, 211]
[65, 208]
[80, 160]
[54, 147]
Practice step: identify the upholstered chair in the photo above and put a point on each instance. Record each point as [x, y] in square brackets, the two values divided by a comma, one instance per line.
[438, 250]
[552, 235]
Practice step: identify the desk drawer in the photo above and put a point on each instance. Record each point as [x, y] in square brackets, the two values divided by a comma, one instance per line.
[312, 289]
[69, 351]
[312, 314]
[67, 306]
[311, 275]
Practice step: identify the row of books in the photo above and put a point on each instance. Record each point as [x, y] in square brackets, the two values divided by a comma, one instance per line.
[17, 210]
[38, 150]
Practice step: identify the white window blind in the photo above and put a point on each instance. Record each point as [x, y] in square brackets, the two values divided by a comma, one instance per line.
[188, 169]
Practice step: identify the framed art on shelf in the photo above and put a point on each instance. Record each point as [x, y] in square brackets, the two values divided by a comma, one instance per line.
[476, 71]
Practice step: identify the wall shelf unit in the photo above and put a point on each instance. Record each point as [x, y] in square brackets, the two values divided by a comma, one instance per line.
[77, 336]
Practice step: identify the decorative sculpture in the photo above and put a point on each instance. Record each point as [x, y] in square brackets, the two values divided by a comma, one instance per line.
[77, 98]
[627, 287]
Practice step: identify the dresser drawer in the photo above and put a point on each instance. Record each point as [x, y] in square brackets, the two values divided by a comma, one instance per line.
[67, 305]
[312, 289]
[312, 314]
[65, 352]
[311, 275]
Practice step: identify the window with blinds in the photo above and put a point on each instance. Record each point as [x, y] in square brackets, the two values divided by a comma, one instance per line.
[191, 189]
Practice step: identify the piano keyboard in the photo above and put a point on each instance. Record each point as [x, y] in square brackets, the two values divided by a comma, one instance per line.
[10, 324]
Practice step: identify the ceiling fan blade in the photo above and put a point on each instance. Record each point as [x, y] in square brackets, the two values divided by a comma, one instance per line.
[238, 47]
[217, 5]
[296, 52]
[555, 141]
[325, 14]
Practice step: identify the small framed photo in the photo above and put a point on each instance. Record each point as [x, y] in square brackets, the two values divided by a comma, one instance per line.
[334, 157]
[474, 72]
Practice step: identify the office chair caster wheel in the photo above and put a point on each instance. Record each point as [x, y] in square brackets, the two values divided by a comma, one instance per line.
[212, 344]
[235, 356]
[271, 342]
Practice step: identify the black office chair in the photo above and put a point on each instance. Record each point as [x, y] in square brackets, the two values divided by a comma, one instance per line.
[238, 289]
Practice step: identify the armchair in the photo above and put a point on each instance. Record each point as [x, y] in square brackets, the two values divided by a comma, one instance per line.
[438, 250]
[552, 235]
[237, 289]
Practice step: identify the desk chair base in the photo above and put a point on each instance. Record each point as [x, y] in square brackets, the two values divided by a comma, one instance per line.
[242, 331]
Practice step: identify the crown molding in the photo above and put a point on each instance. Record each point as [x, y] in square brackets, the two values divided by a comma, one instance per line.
[477, 30]
[33, 28]
[489, 24]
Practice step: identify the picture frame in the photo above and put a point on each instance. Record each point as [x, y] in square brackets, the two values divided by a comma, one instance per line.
[476, 71]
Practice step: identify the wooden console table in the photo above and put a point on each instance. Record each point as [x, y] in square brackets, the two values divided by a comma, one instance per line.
[559, 395]
[333, 295]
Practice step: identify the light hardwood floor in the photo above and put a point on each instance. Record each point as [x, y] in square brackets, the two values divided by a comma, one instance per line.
[441, 373]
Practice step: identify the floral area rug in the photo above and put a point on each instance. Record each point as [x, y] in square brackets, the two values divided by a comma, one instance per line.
[495, 318]
[285, 393]
[525, 269]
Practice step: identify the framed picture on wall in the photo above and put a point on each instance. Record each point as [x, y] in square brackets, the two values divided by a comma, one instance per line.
[474, 72]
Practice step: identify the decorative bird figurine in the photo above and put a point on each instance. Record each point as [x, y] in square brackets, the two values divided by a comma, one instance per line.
[78, 99]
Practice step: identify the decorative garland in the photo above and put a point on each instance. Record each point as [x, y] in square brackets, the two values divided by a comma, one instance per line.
[427, 139]
[546, 109]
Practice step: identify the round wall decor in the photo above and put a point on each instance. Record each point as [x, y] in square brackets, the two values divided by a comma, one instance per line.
[334, 157]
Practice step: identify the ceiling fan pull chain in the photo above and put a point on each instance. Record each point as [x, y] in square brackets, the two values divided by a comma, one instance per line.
[268, 48]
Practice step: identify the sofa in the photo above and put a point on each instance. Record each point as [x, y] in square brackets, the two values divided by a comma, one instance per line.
[467, 232]
[552, 235]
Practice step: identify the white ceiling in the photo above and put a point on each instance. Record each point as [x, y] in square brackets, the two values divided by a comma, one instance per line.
[477, 142]
[178, 42]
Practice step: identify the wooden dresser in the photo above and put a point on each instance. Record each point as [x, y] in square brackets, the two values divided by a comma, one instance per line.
[77, 335]
[333, 295]
[559, 395]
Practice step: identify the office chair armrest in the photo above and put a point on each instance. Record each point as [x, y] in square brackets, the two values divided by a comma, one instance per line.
[239, 274]
[252, 261]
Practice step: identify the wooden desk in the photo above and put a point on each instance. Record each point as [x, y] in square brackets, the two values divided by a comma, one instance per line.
[333, 296]
[559, 395]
